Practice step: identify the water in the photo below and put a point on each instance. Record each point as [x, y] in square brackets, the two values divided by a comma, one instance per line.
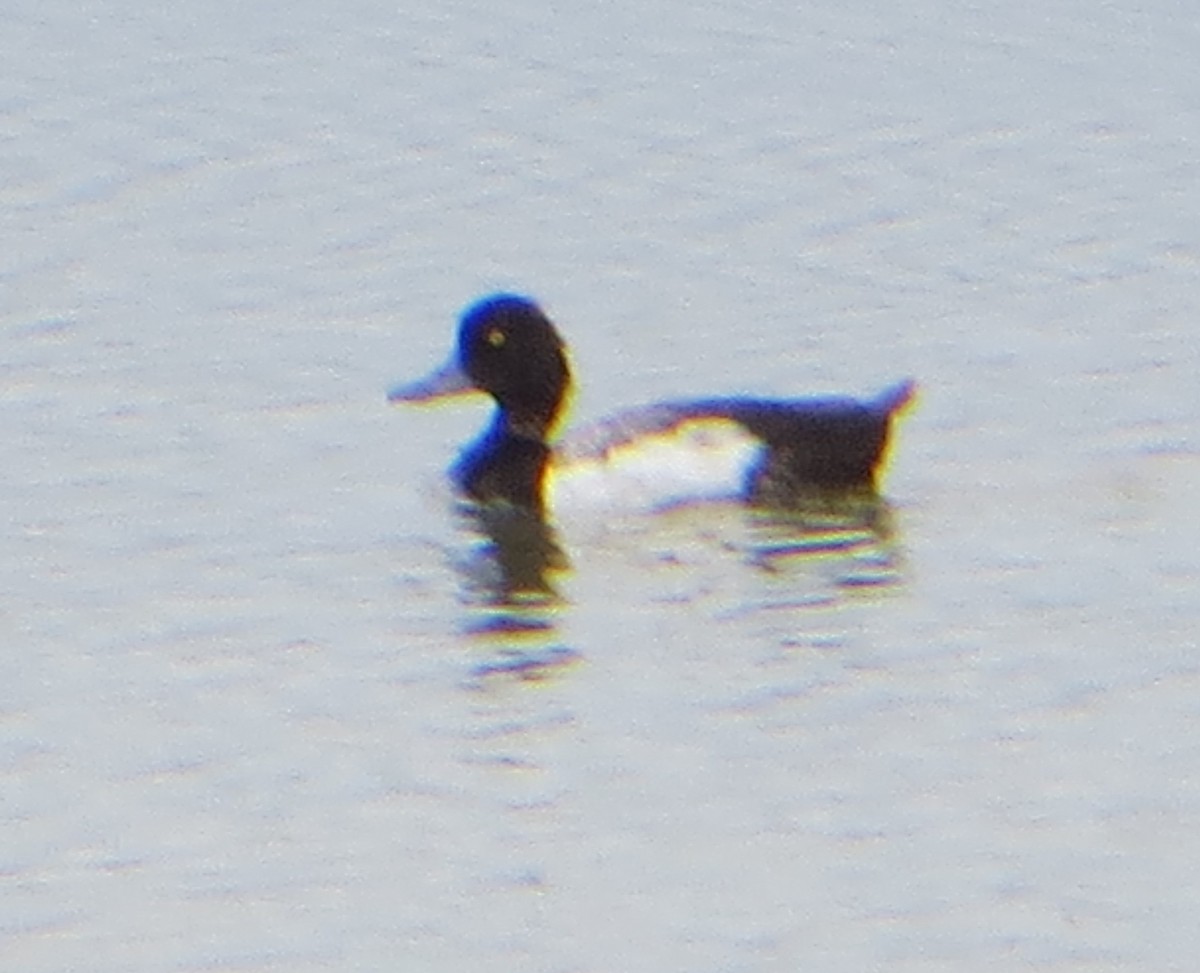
[258, 710]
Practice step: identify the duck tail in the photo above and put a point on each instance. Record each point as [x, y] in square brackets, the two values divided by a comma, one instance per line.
[896, 398]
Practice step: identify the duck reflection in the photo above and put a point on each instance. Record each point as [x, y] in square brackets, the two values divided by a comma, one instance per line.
[854, 535]
[518, 554]
[513, 605]
[811, 556]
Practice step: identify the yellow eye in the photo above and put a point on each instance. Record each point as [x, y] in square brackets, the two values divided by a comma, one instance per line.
[496, 338]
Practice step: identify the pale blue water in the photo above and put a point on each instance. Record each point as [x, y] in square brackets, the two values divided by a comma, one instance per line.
[257, 711]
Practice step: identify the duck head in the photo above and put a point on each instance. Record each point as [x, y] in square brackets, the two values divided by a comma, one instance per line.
[509, 349]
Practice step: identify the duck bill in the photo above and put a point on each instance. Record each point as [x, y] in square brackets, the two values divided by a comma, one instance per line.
[447, 381]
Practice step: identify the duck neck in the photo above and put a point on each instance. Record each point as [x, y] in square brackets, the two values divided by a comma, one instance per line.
[508, 463]
[535, 425]
[531, 410]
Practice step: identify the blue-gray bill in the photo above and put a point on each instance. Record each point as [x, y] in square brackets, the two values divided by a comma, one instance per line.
[447, 381]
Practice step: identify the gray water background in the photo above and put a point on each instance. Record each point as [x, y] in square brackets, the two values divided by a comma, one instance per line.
[254, 715]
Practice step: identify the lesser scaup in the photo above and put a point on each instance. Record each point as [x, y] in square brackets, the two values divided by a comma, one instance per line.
[767, 452]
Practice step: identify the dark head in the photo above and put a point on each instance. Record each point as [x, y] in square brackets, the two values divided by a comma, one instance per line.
[508, 348]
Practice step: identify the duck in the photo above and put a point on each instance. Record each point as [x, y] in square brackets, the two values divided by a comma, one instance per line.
[764, 452]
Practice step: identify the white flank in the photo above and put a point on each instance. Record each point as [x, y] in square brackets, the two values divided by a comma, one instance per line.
[701, 459]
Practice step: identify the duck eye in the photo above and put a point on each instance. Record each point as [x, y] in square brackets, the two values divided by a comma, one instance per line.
[496, 338]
